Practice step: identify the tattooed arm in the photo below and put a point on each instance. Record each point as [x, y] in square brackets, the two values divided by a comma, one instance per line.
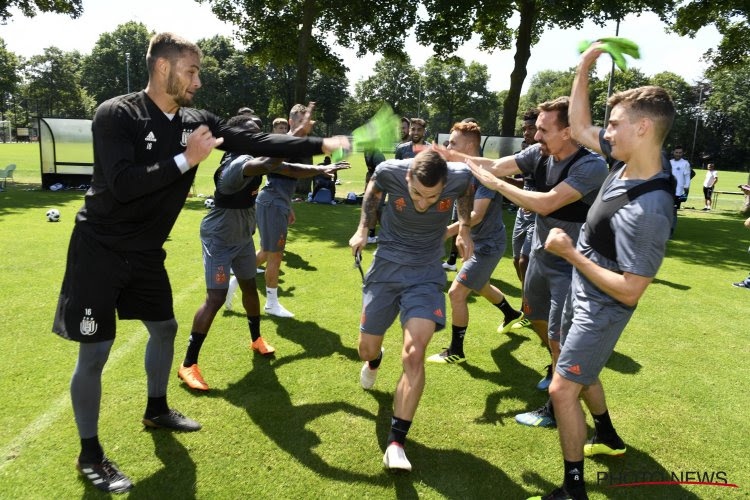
[464, 203]
[370, 204]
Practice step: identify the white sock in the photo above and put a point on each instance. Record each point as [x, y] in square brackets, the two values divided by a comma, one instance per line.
[272, 297]
[233, 285]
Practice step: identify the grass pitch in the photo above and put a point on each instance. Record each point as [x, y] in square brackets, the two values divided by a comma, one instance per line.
[299, 425]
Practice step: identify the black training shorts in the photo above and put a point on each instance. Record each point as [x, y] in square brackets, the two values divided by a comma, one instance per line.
[99, 281]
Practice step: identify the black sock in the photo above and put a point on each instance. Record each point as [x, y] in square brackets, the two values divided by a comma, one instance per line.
[509, 313]
[399, 429]
[376, 362]
[452, 258]
[156, 406]
[371, 233]
[91, 451]
[605, 432]
[194, 348]
[457, 340]
[573, 481]
[253, 322]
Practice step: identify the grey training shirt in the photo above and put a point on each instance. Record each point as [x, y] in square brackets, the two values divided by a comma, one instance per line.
[585, 176]
[230, 226]
[406, 236]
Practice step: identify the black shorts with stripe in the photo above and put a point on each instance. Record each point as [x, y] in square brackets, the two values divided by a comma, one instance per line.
[100, 281]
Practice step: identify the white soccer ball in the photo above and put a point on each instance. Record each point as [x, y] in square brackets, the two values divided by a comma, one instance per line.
[209, 203]
[53, 215]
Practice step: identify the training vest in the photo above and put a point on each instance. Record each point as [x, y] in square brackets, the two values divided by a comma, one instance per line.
[244, 198]
[574, 212]
[599, 234]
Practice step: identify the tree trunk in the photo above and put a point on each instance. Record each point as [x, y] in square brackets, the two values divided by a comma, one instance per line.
[309, 13]
[523, 53]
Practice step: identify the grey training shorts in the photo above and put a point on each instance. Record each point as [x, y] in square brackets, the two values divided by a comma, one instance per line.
[589, 333]
[523, 233]
[477, 271]
[218, 259]
[413, 291]
[273, 223]
[545, 289]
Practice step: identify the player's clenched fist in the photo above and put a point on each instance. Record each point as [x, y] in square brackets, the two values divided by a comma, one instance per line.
[558, 242]
[200, 144]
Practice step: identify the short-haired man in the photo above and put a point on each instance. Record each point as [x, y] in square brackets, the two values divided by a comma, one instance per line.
[567, 178]
[616, 257]
[227, 242]
[416, 143]
[681, 172]
[280, 126]
[147, 146]
[523, 228]
[275, 214]
[405, 124]
[712, 176]
[406, 275]
[488, 235]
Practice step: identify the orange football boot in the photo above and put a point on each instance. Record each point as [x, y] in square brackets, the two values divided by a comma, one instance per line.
[261, 346]
[192, 377]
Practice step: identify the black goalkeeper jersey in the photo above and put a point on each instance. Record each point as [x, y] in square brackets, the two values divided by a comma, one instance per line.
[137, 190]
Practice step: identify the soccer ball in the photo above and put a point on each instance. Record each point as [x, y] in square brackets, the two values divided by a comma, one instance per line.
[209, 203]
[53, 215]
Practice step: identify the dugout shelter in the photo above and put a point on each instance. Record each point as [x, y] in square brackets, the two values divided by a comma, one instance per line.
[66, 152]
[493, 146]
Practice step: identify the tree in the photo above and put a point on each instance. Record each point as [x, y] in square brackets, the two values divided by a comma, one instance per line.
[394, 81]
[268, 28]
[53, 83]
[685, 98]
[30, 8]
[731, 18]
[455, 91]
[329, 93]
[449, 24]
[9, 77]
[230, 81]
[105, 71]
[727, 108]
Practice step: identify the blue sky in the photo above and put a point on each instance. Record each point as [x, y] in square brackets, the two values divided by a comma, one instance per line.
[556, 49]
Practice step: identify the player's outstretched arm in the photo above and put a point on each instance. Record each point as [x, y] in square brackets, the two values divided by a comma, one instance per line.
[627, 287]
[369, 216]
[541, 203]
[500, 167]
[265, 165]
[464, 204]
[579, 111]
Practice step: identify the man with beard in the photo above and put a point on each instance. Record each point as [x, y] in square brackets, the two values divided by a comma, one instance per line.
[417, 143]
[567, 178]
[406, 276]
[147, 146]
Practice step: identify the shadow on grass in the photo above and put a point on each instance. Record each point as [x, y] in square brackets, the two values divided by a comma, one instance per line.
[602, 472]
[316, 342]
[177, 478]
[519, 381]
[699, 241]
[270, 407]
[451, 473]
[295, 261]
[314, 221]
[676, 286]
[15, 200]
